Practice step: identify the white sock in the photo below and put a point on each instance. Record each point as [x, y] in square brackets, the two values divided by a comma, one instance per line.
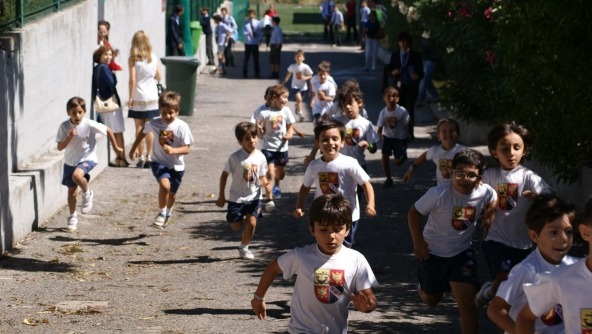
[163, 210]
[244, 247]
[73, 214]
[87, 193]
[169, 212]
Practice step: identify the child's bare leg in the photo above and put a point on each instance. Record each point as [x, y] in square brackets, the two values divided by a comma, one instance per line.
[72, 199]
[464, 294]
[149, 138]
[120, 142]
[80, 180]
[236, 225]
[429, 299]
[298, 104]
[386, 166]
[164, 191]
[171, 200]
[249, 231]
[279, 175]
[139, 123]
[270, 178]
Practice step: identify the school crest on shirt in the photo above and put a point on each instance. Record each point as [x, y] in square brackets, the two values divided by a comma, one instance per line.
[553, 317]
[507, 195]
[391, 122]
[328, 285]
[462, 217]
[586, 318]
[249, 171]
[329, 182]
[276, 122]
[166, 138]
[444, 166]
[352, 136]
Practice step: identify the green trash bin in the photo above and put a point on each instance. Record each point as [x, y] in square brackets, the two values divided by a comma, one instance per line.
[181, 75]
[195, 34]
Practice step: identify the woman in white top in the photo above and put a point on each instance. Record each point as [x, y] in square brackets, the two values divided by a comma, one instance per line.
[143, 94]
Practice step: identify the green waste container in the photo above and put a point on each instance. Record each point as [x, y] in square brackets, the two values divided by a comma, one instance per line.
[181, 75]
[195, 34]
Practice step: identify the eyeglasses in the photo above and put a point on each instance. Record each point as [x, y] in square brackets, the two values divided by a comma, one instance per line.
[461, 174]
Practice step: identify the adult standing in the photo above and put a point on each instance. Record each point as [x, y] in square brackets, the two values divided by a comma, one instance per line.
[426, 86]
[231, 23]
[407, 68]
[252, 33]
[206, 28]
[104, 85]
[327, 13]
[350, 21]
[174, 37]
[143, 102]
[371, 29]
[364, 15]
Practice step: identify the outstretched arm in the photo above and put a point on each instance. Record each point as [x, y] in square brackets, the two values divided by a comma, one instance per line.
[369, 192]
[420, 246]
[302, 195]
[221, 198]
[133, 153]
[420, 160]
[111, 136]
[269, 275]
[365, 301]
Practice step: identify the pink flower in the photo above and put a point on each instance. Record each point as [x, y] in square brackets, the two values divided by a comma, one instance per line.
[450, 14]
[464, 10]
[488, 13]
[490, 56]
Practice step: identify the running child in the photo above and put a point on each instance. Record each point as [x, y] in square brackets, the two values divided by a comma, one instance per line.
[77, 136]
[328, 276]
[301, 73]
[172, 140]
[323, 92]
[248, 168]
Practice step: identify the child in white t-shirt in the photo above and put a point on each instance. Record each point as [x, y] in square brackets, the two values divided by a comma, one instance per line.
[445, 257]
[393, 130]
[301, 73]
[550, 222]
[335, 173]
[447, 132]
[172, 140]
[323, 92]
[507, 242]
[328, 276]
[568, 286]
[77, 136]
[248, 168]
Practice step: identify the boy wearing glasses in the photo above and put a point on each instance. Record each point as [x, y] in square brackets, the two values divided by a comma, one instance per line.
[445, 257]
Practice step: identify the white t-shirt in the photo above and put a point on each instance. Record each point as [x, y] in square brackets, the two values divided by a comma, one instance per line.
[222, 30]
[320, 299]
[394, 123]
[527, 271]
[452, 217]
[570, 287]
[335, 111]
[83, 146]
[357, 130]
[508, 226]
[320, 107]
[364, 13]
[176, 134]
[245, 169]
[275, 123]
[305, 70]
[443, 160]
[145, 93]
[340, 176]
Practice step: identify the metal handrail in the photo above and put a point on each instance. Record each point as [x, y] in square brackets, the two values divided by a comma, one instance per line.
[15, 14]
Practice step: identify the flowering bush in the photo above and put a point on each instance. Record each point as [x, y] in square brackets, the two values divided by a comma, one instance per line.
[505, 60]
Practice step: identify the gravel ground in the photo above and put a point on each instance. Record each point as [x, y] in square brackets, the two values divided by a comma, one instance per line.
[117, 274]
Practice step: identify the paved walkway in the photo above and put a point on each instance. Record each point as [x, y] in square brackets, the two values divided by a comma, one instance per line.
[117, 274]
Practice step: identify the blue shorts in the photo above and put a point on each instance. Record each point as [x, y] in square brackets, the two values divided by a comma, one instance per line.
[395, 147]
[161, 172]
[238, 211]
[436, 272]
[148, 114]
[294, 91]
[278, 158]
[502, 258]
[86, 166]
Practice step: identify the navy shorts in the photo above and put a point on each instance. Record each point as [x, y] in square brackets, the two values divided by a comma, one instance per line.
[238, 211]
[148, 114]
[294, 91]
[86, 166]
[278, 158]
[395, 147]
[502, 258]
[436, 272]
[161, 172]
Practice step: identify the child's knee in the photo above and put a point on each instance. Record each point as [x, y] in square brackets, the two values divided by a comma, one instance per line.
[164, 184]
[236, 226]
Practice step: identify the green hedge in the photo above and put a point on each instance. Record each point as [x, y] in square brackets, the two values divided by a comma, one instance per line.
[525, 61]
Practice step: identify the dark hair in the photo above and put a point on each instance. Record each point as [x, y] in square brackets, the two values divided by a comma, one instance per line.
[546, 208]
[251, 11]
[217, 17]
[76, 102]
[450, 121]
[332, 209]
[345, 94]
[469, 157]
[244, 128]
[275, 91]
[405, 36]
[170, 99]
[329, 124]
[205, 9]
[390, 90]
[298, 52]
[99, 52]
[179, 9]
[104, 23]
[324, 66]
[502, 130]
[276, 19]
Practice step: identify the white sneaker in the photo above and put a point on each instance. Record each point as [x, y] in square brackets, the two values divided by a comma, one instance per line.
[300, 116]
[87, 202]
[270, 206]
[72, 222]
[245, 253]
[160, 220]
[482, 298]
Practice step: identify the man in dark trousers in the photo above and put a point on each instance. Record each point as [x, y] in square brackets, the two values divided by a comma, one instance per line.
[174, 38]
[206, 28]
[252, 32]
[407, 68]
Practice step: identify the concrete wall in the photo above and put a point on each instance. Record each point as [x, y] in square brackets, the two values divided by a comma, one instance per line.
[42, 65]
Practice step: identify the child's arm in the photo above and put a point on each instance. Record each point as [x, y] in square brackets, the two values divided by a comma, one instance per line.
[269, 275]
[420, 160]
[302, 195]
[288, 75]
[289, 132]
[265, 183]
[131, 82]
[488, 217]
[379, 131]
[221, 198]
[311, 156]
[111, 137]
[71, 133]
[525, 321]
[420, 246]
[499, 312]
[369, 192]
[365, 301]
[185, 149]
[133, 153]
